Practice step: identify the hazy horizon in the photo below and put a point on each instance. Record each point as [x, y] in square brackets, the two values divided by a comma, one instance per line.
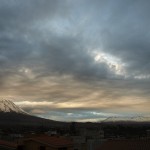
[76, 60]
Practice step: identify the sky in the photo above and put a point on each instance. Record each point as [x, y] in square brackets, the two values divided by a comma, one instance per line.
[76, 60]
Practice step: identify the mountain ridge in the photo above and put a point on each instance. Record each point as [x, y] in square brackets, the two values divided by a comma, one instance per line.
[127, 119]
[7, 105]
[11, 114]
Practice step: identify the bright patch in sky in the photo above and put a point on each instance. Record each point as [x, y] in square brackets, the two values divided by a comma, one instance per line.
[113, 63]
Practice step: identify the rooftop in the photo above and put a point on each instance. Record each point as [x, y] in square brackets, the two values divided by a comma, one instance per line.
[54, 141]
[130, 144]
[8, 144]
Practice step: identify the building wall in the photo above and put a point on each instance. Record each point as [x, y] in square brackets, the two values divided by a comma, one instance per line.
[79, 143]
[50, 148]
[93, 144]
[6, 148]
[32, 145]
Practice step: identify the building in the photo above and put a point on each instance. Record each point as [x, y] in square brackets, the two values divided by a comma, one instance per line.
[94, 137]
[47, 143]
[92, 133]
[5, 145]
[148, 133]
[130, 144]
[52, 133]
[93, 144]
[79, 143]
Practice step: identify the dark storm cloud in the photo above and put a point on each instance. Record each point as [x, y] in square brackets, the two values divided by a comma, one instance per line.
[124, 32]
[16, 19]
[19, 41]
[66, 52]
[68, 55]
[22, 12]
[17, 44]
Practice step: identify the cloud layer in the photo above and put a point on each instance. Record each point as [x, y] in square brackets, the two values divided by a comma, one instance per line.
[80, 59]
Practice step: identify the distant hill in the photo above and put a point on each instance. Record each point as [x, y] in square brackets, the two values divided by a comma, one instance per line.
[10, 114]
[127, 120]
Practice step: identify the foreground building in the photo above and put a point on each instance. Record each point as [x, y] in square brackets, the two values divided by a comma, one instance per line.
[46, 143]
[5, 145]
[130, 144]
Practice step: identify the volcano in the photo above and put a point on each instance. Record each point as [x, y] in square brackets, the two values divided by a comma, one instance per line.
[8, 106]
[11, 114]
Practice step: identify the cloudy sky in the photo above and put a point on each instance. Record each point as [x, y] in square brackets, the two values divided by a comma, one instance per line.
[76, 60]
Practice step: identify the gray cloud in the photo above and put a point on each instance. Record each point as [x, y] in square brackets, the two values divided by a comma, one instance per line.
[76, 53]
[124, 33]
